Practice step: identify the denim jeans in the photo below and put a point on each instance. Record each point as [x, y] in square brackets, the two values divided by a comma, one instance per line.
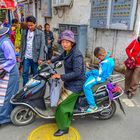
[29, 64]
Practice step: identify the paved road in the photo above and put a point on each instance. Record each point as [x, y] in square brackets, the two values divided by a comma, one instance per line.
[120, 127]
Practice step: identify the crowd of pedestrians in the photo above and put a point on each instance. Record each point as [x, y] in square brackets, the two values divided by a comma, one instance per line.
[23, 46]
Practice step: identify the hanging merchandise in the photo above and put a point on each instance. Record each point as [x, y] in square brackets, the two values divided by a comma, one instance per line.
[28, 9]
[3, 14]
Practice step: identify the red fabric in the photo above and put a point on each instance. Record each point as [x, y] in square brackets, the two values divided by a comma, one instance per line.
[134, 46]
[12, 36]
[7, 4]
[130, 63]
[117, 88]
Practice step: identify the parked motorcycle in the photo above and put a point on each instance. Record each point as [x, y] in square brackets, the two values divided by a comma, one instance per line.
[30, 102]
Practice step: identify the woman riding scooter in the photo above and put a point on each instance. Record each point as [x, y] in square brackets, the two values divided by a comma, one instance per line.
[73, 81]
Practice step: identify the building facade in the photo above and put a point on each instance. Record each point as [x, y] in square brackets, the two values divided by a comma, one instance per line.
[78, 12]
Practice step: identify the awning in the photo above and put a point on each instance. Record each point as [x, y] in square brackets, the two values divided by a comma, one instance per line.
[7, 4]
[23, 1]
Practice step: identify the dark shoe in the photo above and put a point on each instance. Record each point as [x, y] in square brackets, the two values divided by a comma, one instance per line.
[126, 92]
[61, 132]
[129, 96]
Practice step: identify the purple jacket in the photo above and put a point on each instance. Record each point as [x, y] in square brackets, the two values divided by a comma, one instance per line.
[7, 54]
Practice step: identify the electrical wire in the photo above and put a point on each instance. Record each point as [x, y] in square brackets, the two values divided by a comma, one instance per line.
[63, 11]
[55, 11]
[71, 4]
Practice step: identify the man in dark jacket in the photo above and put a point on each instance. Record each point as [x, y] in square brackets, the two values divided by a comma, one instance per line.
[32, 48]
[48, 40]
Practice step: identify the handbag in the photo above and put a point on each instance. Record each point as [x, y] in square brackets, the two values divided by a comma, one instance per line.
[130, 63]
[2, 73]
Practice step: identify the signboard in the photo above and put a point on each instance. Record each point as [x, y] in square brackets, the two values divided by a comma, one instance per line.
[22, 1]
[99, 13]
[7, 4]
[28, 9]
[46, 9]
[122, 14]
[113, 14]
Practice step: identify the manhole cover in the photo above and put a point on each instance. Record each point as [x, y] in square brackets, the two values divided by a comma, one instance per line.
[45, 132]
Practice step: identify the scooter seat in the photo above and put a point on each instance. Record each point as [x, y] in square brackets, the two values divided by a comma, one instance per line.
[94, 88]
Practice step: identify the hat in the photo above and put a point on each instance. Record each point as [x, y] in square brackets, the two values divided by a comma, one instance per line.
[3, 30]
[67, 35]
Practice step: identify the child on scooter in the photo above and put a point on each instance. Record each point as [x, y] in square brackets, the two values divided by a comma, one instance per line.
[94, 77]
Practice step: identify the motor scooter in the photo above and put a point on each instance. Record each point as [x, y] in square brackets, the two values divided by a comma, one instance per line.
[29, 101]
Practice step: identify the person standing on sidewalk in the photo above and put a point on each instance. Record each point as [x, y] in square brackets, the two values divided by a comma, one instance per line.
[48, 40]
[132, 76]
[9, 76]
[32, 48]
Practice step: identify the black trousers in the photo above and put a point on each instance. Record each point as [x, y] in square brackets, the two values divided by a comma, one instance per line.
[49, 54]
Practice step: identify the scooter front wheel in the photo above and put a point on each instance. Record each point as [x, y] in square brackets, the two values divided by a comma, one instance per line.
[22, 115]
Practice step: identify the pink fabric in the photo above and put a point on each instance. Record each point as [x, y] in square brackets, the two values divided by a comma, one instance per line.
[12, 36]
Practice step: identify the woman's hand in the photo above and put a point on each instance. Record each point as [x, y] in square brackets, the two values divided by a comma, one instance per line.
[133, 58]
[49, 42]
[40, 62]
[49, 62]
[87, 65]
[56, 76]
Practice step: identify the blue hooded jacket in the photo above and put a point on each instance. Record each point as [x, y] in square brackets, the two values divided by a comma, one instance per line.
[106, 68]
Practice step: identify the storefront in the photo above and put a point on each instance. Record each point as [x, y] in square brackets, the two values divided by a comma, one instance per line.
[6, 6]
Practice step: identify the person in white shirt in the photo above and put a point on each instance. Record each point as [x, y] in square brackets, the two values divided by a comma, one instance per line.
[32, 48]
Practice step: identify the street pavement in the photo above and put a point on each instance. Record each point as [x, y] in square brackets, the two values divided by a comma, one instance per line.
[120, 127]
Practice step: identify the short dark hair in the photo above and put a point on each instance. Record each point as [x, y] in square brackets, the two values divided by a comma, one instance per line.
[46, 25]
[14, 21]
[31, 19]
[98, 50]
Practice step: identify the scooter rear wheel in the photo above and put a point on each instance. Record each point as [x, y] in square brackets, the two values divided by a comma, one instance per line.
[108, 112]
[22, 115]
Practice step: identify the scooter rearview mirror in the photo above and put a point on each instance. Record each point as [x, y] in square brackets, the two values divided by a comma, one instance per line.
[58, 65]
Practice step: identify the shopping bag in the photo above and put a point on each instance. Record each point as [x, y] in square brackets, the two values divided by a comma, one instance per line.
[55, 91]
